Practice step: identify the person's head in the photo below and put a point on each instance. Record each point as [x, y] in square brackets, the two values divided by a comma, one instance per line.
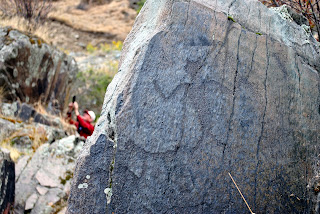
[89, 116]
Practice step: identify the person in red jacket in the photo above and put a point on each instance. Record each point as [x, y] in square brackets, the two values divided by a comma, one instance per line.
[83, 123]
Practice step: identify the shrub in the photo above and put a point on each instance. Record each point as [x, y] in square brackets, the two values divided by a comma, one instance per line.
[92, 85]
[91, 48]
[105, 47]
[308, 8]
[140, 5]
[2, 94]
[34, 11]
[116, 45]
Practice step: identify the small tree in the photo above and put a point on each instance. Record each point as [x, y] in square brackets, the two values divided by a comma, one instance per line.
[34, 11]
[309, 8]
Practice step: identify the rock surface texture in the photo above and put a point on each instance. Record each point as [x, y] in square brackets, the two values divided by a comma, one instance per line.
[43, 181]
[31, 70]
[206, 88]
[7, 185]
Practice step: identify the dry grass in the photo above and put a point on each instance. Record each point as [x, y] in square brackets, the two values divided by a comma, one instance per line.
[67, 127]
[11, 119]
[37, 135]
[70, 129]
[14, 152]
[42, 31]
[7, 144]
[115, 18]
[2, 94]
[41, 109]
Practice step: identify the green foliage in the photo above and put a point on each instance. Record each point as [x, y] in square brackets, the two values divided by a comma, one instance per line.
[105, 47]
[230, 18]
[91, 48]
[258, 33]
[93, 85]
[140, 4]
[115, 45]
[69, 175]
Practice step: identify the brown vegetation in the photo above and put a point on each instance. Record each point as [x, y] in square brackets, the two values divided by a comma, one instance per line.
[308, 8]
[34, 11]
[71, 28]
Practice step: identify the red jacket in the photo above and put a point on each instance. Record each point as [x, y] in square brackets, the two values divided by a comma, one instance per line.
[84, 128]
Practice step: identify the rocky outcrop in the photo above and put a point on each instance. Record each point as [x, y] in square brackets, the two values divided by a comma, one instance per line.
[206, 88]
[21, 125]
[43, 181]
[28, 113]
[32, 71]
[7, 176]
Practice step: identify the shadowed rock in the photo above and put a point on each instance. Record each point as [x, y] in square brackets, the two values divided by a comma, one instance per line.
[32, 71]
[206, 88]
[7, 179]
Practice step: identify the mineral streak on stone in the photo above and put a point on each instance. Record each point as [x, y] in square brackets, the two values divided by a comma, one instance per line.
[7, 181]
[185, 110]
[91, 191]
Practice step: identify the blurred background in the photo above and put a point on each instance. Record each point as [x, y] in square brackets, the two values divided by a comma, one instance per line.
[90, 31]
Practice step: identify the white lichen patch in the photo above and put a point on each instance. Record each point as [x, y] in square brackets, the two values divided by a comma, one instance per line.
[88, 177]
[306, 28]
[283, 12]
[15, 85]
[15, 72]
[27, 82]
[83, 186]
[108, 192]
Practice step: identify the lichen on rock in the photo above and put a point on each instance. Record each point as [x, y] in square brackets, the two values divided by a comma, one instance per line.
[185, 110]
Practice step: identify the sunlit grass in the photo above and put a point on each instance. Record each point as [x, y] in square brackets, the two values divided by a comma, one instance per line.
[105, 47]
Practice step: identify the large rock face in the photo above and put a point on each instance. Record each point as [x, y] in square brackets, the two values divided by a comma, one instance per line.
[206, 88]
[31, 70]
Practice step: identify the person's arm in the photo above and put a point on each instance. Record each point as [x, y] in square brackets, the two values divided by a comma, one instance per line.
[85, 124]
[76, 108]
[82, 123]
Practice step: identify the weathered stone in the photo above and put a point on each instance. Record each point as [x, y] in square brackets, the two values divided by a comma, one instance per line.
[6, 129]
[31, 201]
[31, 70]
[206, 88]
[42, 190]
[47, 179]
[26, 112]
[96, 161]
[48, 174]
[9, 109]
[22, 163]
[45, 202]
[7, 184]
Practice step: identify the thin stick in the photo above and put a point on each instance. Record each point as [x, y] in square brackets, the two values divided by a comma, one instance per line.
[241, 193]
